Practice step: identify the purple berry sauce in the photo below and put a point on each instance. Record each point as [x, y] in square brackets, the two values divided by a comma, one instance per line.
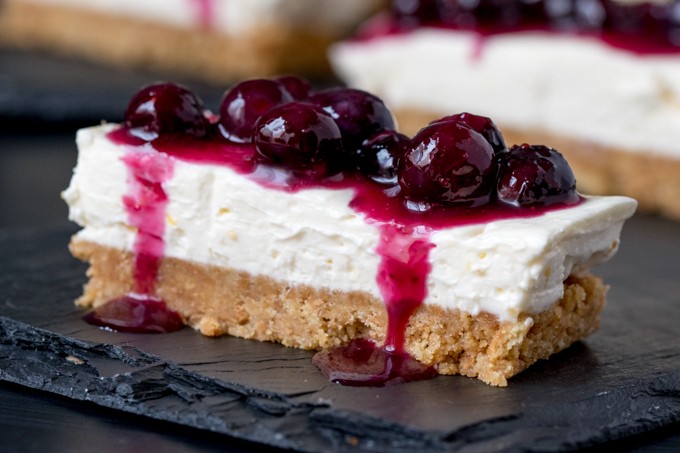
[402, 279]
[362, 363]
[292, 140]
[136, 314]
[145, 204]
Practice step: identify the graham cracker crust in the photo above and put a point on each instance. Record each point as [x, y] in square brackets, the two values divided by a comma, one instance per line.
[198, 53]
[219, 301]
[652, 179]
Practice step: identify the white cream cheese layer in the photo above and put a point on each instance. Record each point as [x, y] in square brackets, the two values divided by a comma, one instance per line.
[312, 237]
[567, 85]
[233, 16]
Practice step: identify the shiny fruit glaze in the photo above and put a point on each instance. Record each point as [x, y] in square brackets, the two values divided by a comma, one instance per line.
[445, 176]
[641, 28]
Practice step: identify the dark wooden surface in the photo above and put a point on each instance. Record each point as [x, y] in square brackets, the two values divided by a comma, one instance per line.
[619, 387]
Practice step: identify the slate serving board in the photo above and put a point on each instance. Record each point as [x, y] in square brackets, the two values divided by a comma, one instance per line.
[622, 381]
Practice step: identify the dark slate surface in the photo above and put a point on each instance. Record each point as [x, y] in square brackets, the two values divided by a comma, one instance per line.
[58, 90]
[623, 381]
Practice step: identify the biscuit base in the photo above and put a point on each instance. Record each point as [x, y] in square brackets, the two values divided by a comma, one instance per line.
[652, 179]
[199, 53]
[219, 301]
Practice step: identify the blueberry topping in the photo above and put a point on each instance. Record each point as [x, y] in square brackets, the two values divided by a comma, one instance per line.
[299, 136]
[534, 174]
[649, 24]
[358, 114]
[165, 108]
[246, 102]
[459, 160]
[448, 163]
[379, 155]
[482, 125]
[411, 13]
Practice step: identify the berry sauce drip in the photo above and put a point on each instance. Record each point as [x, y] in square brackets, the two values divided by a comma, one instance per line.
[402, 279]
[135, 313]
[641, 28]
[361, 363]
[145, 203]
[447, 175]
[205, 10]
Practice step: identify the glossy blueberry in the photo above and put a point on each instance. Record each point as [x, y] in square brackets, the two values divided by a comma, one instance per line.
[299, 89]
[448, 163]
[299, 136]
[358, 114]
[165, 108]
[243, 105]
[482, 125]
[379, 155]
[640, 25]
[535, 175]
[414, 12]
